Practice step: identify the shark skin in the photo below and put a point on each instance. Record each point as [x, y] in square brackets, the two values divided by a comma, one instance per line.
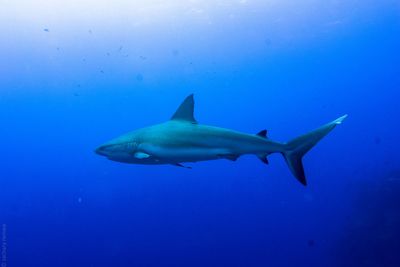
[182, 139]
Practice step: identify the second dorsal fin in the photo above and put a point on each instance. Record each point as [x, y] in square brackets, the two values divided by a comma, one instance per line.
[185, 111]
[262, 133]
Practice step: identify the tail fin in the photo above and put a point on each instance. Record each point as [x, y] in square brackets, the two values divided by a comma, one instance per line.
[296, 148]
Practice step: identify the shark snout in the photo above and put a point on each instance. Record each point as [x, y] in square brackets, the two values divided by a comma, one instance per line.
[101, 150]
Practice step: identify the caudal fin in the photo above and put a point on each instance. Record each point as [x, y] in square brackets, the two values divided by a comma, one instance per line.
[296, 148]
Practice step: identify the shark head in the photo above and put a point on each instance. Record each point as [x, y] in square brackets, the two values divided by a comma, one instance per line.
[128, 148]
[119, 149]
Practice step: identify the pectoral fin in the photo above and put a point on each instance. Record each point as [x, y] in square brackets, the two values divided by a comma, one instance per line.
[141, 155]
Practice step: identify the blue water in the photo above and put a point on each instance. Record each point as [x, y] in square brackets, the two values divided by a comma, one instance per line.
[74, 75]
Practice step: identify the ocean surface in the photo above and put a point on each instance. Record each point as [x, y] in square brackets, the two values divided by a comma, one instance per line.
[75, 74]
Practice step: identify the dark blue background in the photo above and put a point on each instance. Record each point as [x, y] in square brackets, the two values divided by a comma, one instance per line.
[67, 90]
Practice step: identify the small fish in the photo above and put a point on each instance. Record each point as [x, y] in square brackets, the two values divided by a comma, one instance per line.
[377, 140]
[311, 242]
[139, 77]
[175, 52]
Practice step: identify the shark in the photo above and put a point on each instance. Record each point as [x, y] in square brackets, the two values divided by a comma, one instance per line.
[183, 140]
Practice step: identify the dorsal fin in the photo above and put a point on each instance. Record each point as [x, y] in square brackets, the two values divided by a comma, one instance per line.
[263, 134]
[185, 111]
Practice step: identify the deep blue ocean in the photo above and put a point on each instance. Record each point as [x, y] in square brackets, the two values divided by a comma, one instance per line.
[75, 74]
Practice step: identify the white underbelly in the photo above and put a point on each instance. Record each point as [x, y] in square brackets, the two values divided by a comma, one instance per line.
[180, 154]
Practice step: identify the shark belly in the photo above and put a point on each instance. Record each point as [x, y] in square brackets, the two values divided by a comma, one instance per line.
[185, 153]
[200, 143]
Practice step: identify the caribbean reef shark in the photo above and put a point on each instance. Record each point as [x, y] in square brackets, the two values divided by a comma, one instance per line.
[182, 139]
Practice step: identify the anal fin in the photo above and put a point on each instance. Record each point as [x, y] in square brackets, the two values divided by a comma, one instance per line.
[263, 158]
